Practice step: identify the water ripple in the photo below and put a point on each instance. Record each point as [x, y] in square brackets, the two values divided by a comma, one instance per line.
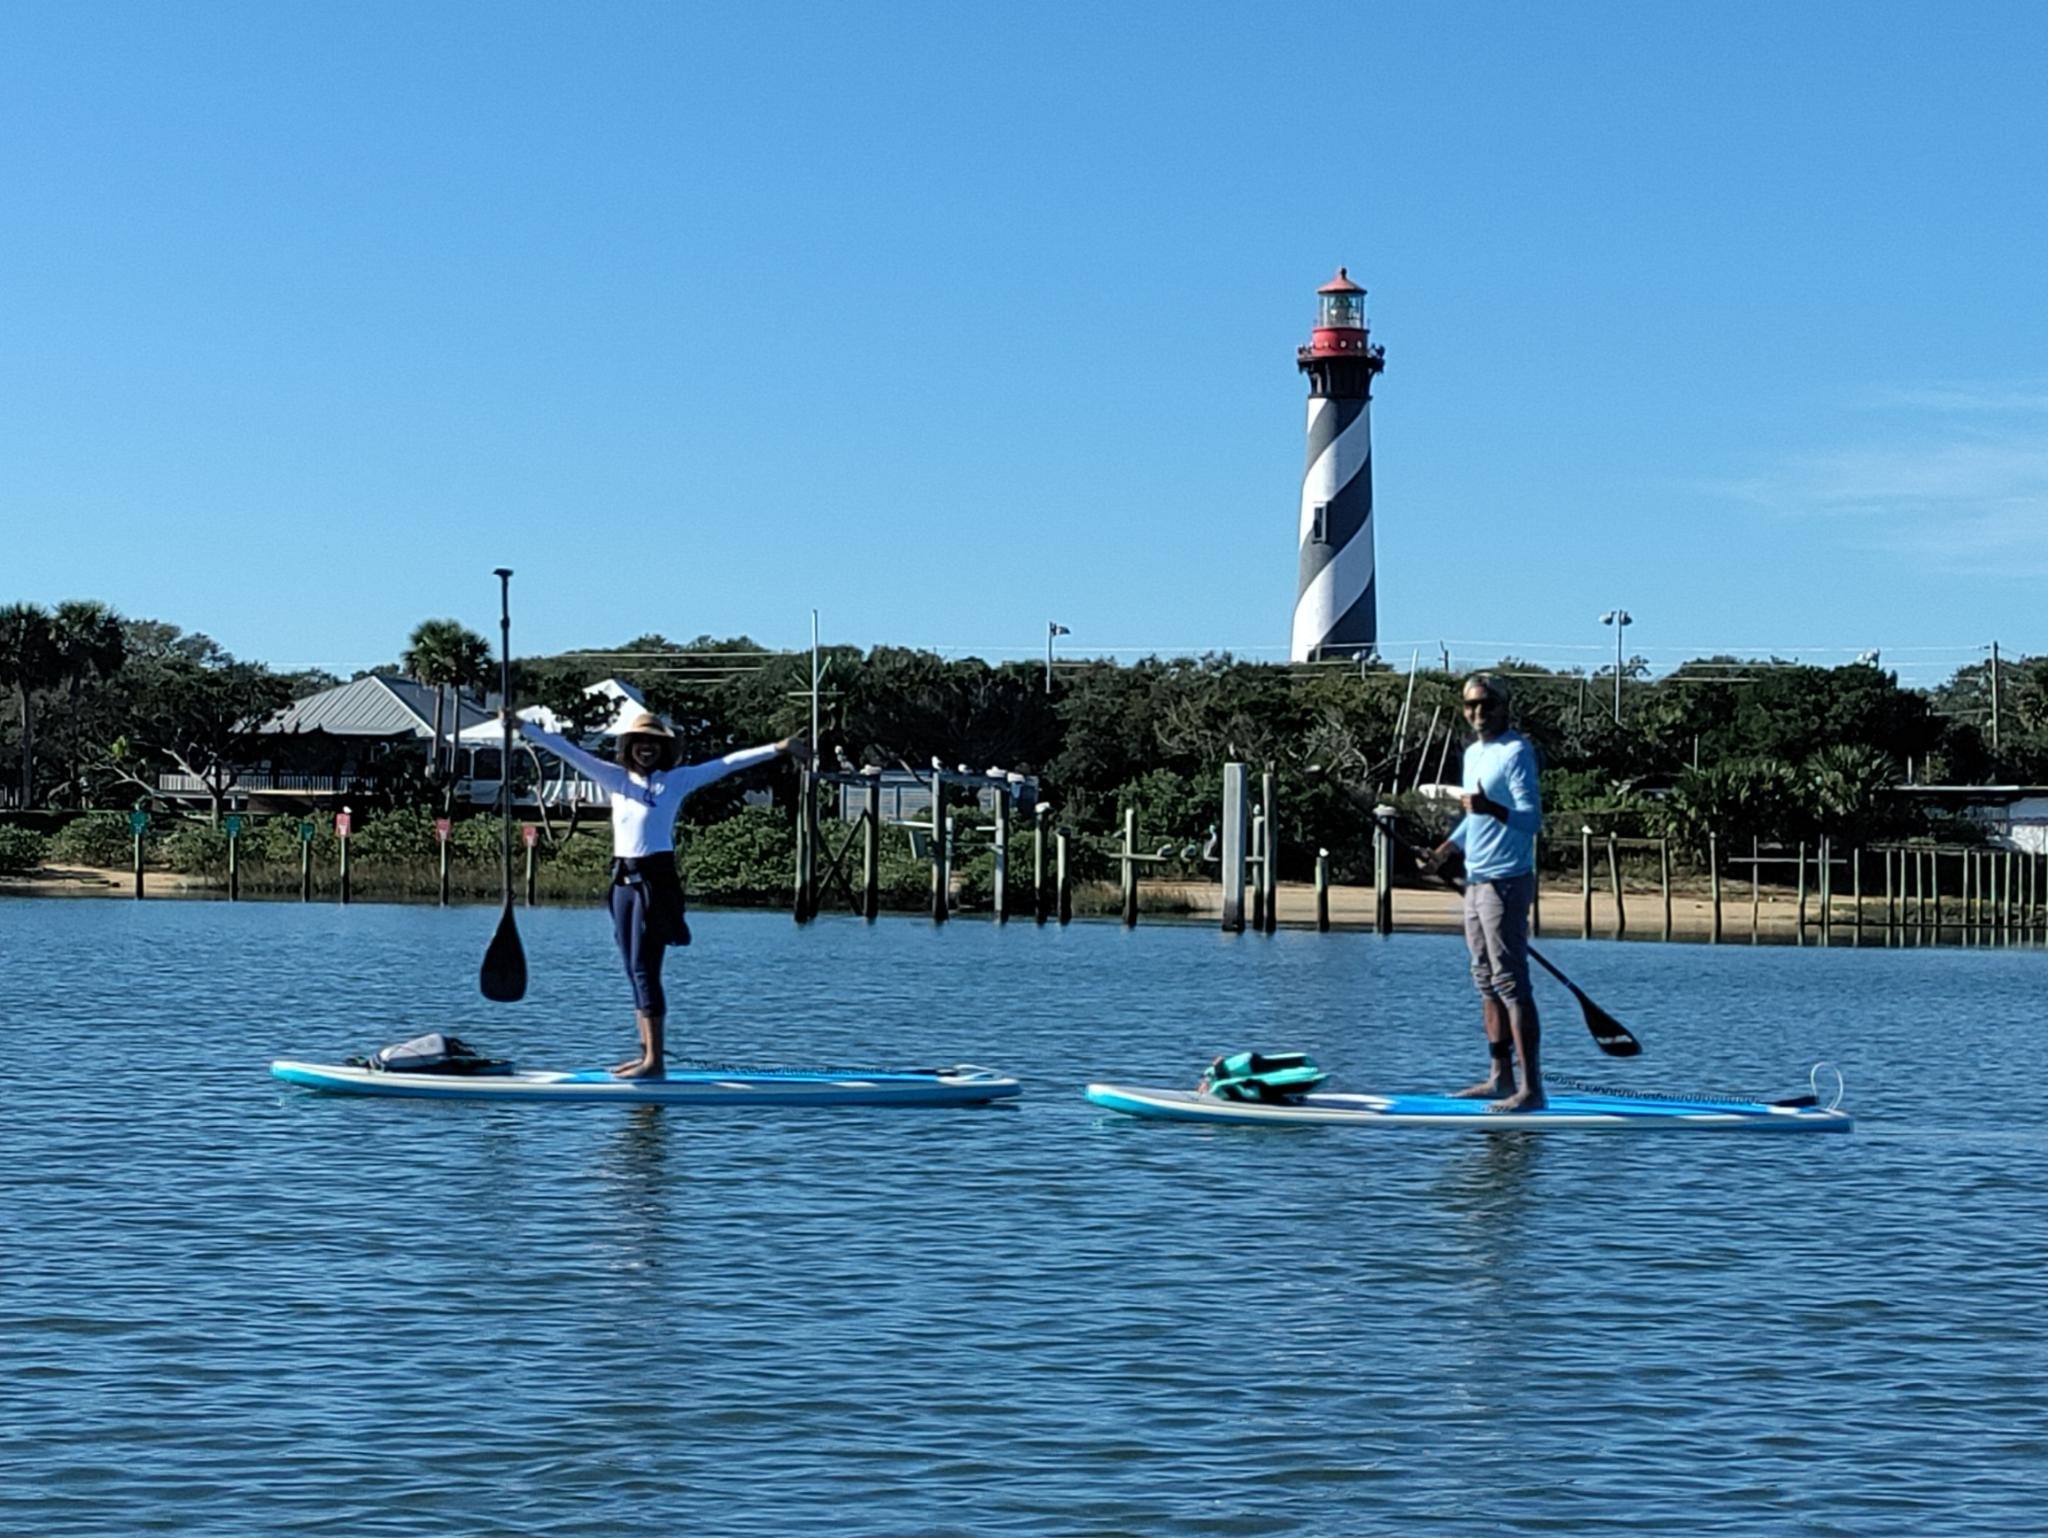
[228, 1307]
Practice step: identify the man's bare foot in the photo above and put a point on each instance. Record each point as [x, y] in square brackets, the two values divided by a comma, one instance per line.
[1485, 1089]
[640, 1070]
[1526, 1100]
[628, 1068]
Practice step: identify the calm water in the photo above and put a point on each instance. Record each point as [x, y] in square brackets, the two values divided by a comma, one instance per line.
[230, 1307]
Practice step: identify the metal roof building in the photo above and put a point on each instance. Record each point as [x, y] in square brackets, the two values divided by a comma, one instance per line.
[377, 705]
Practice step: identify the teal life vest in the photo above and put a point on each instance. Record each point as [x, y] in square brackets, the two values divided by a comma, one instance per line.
[1271, 1077]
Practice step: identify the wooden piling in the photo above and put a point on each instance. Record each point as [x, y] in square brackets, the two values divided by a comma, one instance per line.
[1382, 872]
[1323, 891]
[871, 855]
[1064, 893]
[1664, 879]
[1756, 891]
[1130, 868]
[800, 888]
[942, 875]
[1585, 882]
[1799, 927]
[1714, 883]
[1039, 908]
[1001, 896]
[1827, 889]
[1233, 842]
[1258, 868]
[1614, 878]
[1269, 847]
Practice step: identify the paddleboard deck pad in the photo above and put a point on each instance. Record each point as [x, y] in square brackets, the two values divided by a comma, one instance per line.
[1568, 1111]
[963, 1085]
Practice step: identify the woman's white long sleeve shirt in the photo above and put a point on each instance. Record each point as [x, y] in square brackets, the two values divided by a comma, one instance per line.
[644, 807]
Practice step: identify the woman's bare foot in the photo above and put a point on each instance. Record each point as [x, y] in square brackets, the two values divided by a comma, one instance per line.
[1526, 1100]
[641, 1069]
[1485, 1089]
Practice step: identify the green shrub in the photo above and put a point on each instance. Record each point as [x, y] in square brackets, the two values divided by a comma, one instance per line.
[21, 849]
[275, 841]
[196, 849]
[749, 857]
[396, 838]
[99, 839]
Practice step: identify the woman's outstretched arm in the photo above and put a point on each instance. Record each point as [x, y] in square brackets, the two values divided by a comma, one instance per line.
[601, 771]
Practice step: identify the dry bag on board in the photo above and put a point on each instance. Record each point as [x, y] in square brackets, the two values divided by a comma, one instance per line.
[432, 1053]
[1271, 1077]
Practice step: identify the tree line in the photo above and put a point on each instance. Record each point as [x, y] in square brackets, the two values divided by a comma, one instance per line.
[98, 705]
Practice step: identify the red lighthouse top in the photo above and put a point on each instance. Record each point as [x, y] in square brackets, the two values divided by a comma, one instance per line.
[1340, 319]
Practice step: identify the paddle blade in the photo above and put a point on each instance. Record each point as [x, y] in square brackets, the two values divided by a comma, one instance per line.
[1609, 1034]
[504, 973]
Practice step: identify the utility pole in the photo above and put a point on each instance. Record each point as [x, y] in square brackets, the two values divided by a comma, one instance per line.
[1620, 619]
[1994, 696]
[1052, 628]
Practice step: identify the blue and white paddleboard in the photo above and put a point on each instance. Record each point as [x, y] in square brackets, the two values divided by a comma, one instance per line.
[964, 1085]
[1568, 1111]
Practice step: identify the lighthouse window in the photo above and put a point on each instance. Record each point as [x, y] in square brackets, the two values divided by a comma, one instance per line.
[1319, 533]
[1343, 310]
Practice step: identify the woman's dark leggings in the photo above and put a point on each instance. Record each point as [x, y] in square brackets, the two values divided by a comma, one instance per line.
[641, 950]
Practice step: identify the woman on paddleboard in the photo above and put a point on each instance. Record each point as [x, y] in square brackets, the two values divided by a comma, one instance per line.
[1497, 837]
[648, 790]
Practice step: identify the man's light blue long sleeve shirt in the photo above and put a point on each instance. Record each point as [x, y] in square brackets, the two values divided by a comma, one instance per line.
[1505, 769]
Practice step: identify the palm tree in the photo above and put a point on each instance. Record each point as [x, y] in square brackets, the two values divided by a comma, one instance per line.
[27, 663]
[444, 654]
[88, 642]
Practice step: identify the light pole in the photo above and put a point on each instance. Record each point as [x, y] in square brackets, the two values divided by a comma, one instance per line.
[1620, 620]
[1052, 628]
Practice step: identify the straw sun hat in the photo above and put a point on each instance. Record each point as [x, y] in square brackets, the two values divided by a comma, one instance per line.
[645, 723]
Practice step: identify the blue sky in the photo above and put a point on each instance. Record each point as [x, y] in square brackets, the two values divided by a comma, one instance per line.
[946, 320]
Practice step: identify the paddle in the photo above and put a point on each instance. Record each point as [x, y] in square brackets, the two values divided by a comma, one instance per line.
[1609, 1034]
[504, 973]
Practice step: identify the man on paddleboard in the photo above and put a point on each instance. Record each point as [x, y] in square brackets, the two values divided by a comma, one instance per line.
[1497, 837]
[646, 897]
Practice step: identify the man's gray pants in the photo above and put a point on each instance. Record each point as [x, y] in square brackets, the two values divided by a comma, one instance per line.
[1497, 934]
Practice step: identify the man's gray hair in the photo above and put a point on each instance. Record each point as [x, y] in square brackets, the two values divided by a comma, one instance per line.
[1493, 687]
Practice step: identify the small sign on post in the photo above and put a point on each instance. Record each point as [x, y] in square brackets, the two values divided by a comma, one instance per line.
[529, 835]
[233, 824]
[138, 820]
[342, 822]
[306, 832]
[441, 827]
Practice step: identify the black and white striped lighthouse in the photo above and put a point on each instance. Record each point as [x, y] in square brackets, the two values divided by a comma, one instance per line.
[1334, 604]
